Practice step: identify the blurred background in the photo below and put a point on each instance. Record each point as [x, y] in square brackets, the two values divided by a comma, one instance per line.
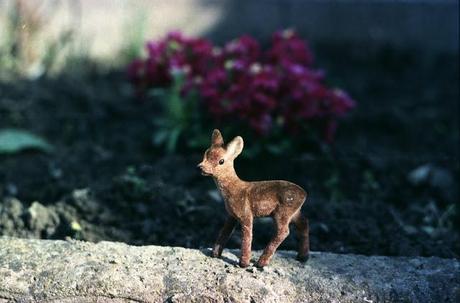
[106, 107]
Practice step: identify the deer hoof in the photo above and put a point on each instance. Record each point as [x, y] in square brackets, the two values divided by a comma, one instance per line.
[216, 252]
[302, 258]
[262, 262]
[244, 264]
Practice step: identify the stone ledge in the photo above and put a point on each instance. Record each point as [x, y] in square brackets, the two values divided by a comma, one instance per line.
[74, 271]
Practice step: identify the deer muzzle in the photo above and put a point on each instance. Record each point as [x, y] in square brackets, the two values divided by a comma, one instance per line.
[203, 171]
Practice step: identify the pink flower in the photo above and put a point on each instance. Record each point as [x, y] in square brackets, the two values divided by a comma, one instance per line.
[241, 83]
[287, 47]
[136, 70]
[245, 48]
[262, 124]
[341, 103]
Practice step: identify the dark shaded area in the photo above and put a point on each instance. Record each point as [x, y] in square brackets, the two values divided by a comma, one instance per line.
[105, 181]
[425, 26]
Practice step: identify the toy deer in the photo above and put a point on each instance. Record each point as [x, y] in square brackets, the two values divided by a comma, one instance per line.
[244, 201]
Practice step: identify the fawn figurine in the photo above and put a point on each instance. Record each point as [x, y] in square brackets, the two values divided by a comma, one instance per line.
[280, 200]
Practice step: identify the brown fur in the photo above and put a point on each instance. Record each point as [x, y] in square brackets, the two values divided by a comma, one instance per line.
[280, 200]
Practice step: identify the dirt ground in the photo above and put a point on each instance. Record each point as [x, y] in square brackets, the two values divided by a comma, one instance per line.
[387, 186]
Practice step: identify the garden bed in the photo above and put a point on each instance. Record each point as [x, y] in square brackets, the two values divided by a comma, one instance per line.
[105, 181]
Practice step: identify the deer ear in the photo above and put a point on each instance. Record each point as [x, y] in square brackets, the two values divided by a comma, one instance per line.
[217, 139]
[235, 147]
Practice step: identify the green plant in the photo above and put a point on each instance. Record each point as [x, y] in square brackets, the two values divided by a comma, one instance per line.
[275, 94]
[26, 47]
[133, 45]
[180, 116]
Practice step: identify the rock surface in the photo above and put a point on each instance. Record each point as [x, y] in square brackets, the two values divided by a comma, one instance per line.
[74, 271]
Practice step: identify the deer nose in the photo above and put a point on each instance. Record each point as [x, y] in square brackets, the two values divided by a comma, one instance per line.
[200, 165]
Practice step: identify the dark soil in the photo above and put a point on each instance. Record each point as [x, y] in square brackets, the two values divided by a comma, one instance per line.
[105, 181]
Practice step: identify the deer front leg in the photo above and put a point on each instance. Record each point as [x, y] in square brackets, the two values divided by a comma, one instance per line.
[282, 231]
[223, 237]
[246, 230]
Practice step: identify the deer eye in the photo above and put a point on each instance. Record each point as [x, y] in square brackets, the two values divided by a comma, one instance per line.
[221, 161]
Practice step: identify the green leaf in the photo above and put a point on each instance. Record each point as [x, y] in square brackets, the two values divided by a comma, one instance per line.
[157, 92]
[172, 140]
[279, 148]
[15, 140]
[160, 137]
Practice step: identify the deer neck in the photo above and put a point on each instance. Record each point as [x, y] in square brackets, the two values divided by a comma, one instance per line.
[229, 184]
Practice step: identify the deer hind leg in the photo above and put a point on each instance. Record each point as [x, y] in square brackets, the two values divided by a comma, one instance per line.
[282, 219]
[301, 224]
[223, 237]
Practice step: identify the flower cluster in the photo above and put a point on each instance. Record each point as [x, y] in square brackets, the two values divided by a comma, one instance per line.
[262, 89]
[171, 54]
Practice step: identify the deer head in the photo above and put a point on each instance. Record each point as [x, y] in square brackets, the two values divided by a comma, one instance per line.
[218, 159]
